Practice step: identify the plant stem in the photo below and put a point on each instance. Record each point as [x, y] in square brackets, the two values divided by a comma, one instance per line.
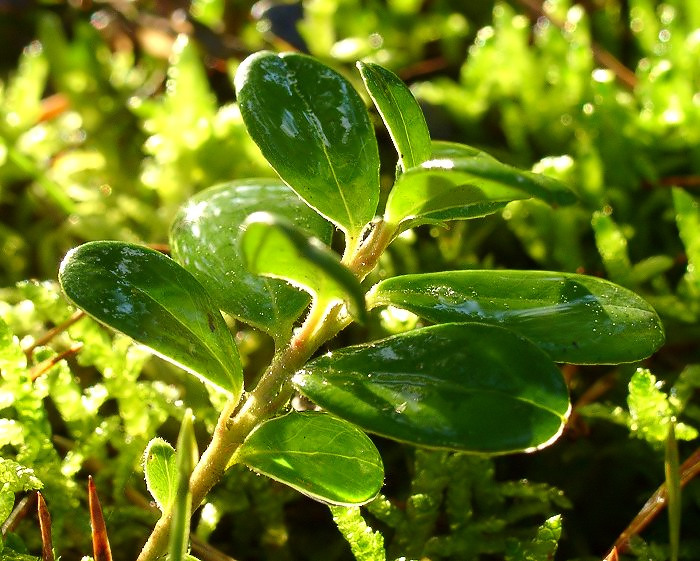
[688, 471]
[272, 391]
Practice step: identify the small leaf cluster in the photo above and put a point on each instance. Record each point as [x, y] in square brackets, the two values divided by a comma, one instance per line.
[482, 379]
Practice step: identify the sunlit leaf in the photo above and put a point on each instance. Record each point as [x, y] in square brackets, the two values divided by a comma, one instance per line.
[204, 240]
[15, 478]
[313, 127]
[160, 471]
[574, 318]
[321, 456]
[651, 412]
[612, 246]
[153, 300]
[274, 247]
[366, 544]
[460, 182]
[688, 220]
[464, 386]
[400, 112]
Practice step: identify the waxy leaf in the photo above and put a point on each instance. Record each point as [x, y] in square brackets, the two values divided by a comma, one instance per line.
[314, 129]
[204, 240]
[460, 182]
[463, 386]
[156, 302]
[573, 318]
[400, 112]
[319, 455]
[160, 471]
[274, 247]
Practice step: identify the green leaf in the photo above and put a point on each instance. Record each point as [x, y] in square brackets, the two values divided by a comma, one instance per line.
[612, 246]
[314, 129]
[688, 221]
[317, 454]
[365, 543]
[542, 547]
[12, 358]
[460, 182]
[156, 302]
[651, 412]
[204, 240]
[14, 478]
[400, 112]
[160, 471]
[573, 318]
[274, 247]
[463, 386]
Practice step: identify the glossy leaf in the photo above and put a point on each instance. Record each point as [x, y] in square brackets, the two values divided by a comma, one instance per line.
[463, 386]
[460, 182]
[160, 471]
[317, 454]
[573, 318]
[204, 240]
[314, 129]
[400, 112]
[275, 247]
[156, 302]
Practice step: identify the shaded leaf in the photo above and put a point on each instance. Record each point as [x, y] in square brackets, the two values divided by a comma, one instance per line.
[574, 318]
[160, 471]
[156, 302]
[313, 127]
[400, 112]
[542, 547]
[274, 247]
[317, 454]
[463, 386]
[204, 240]
[460, 182]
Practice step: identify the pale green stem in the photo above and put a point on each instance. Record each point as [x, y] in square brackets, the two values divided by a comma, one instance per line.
[274, 388]
[673, 491]
[186, 455]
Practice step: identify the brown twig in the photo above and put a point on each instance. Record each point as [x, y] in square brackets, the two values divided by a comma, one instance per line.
[422, 68]
[45, 365]
[688, 470]
[45, 528]
[206, 552]
[21, 510]
[597, 389]
[53, 332]
[100, 542]
[53, 106]
[685, 181]
[601, 55]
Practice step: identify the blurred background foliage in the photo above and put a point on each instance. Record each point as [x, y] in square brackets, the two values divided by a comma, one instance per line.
[113, 113]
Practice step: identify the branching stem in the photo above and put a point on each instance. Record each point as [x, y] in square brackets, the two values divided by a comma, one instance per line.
[274, 388]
